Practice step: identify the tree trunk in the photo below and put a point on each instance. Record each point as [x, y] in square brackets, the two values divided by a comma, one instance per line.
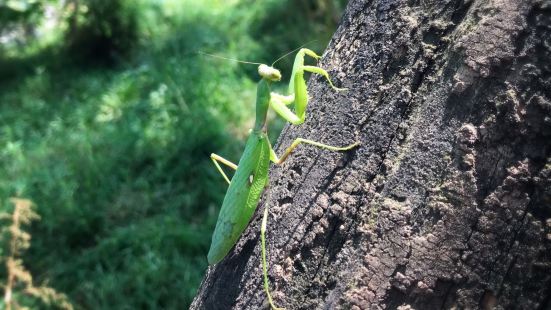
[447, 202]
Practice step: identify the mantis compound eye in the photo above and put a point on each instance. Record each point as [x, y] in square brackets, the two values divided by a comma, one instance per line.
[269, 73]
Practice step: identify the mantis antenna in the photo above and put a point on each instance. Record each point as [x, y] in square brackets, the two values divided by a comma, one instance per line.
[296, 49]
[227, 58]
[255, 63]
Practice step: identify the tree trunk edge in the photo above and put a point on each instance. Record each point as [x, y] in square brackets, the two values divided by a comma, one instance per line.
[447, 204]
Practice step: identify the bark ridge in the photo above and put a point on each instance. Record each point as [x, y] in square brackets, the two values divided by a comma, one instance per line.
[447, 203]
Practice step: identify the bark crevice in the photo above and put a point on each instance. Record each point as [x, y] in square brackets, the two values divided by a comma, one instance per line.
[447, 203]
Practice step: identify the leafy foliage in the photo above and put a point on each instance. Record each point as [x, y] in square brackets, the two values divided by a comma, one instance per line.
[17, 11]
[19, 290]
[117, 156]
[102, 30]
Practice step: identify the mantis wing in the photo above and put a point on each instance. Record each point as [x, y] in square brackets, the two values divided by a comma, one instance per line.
[242, 196]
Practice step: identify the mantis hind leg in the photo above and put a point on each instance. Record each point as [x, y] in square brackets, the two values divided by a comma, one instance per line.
[217, 158]
[276, 160]
[264, 264]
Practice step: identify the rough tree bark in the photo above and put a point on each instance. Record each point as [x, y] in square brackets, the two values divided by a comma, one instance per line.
[447, 203]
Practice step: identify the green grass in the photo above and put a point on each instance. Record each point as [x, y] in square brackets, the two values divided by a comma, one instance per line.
[117, 157]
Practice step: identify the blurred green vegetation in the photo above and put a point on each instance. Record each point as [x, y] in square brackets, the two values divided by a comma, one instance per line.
[107, 119]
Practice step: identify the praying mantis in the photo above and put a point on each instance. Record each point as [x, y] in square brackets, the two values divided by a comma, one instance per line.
[251, 173]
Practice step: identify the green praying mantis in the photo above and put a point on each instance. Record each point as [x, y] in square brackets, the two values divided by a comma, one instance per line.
[251, 173]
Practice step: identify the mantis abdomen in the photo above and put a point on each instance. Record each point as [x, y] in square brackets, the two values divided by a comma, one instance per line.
[242, 196]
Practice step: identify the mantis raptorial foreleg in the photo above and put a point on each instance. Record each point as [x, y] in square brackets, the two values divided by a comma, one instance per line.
[217, 158]
[279, 104]
[319, 70]
[298, 94]
[276, 160]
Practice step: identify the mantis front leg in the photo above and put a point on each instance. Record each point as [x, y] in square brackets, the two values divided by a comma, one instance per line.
[297, 90]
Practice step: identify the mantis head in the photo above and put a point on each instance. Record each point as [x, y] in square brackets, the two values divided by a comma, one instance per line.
[269, 73]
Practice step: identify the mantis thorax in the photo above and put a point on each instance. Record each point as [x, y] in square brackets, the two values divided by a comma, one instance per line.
[262, 104]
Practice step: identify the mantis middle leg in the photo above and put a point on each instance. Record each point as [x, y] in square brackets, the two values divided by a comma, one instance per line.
[217, 158]
[278, 161]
